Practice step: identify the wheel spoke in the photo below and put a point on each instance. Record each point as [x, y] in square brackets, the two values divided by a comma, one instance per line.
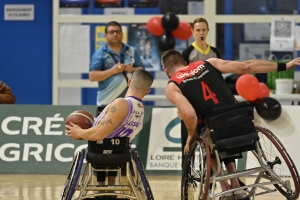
[274, 155]
[194, 183]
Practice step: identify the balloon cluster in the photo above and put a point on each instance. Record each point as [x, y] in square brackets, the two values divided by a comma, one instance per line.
[258, 93]
[168, 28]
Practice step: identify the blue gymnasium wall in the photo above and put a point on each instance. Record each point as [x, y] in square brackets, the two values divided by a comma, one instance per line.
[26, 53]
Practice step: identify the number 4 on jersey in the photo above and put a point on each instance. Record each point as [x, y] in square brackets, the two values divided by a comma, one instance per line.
[207, 93]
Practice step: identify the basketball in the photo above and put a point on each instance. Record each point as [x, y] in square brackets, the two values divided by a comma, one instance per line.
[81, 118]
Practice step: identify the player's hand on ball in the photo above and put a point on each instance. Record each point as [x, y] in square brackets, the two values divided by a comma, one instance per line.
[73, 131]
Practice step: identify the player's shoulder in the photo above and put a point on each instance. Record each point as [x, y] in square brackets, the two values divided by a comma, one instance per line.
[119, 105]
[119, 101]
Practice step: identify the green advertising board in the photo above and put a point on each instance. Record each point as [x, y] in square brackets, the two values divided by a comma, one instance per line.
[33, 140]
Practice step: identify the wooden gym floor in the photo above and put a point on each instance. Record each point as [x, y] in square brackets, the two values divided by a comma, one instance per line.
[49, 187]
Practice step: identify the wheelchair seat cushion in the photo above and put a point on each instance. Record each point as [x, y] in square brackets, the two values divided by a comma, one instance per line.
[240, 143]
[241, 129]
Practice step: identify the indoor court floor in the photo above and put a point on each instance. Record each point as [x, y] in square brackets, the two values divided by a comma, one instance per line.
[49, 187]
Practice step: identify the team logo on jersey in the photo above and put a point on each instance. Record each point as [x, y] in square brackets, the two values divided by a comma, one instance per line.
[193, 72]
[137, 114]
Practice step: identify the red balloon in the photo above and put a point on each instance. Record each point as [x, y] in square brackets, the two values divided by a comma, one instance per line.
[154, 26]
[183, 31]
[247, 87]
[263, 90]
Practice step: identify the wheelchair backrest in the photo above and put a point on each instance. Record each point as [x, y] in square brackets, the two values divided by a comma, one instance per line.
[110, 145]
[232, 125]
[229, 115]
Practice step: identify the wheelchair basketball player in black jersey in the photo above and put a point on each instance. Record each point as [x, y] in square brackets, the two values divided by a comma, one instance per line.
[200, 86]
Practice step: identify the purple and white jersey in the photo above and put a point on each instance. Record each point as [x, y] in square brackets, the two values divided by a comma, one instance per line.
[132, 123]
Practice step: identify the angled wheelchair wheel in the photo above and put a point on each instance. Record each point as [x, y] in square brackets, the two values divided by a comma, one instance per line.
[140, 179]
[275, 155]
[73, 176]
[196, 171]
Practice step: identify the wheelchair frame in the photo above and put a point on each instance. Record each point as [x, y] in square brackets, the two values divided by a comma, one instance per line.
[138, 186]
[196, 178]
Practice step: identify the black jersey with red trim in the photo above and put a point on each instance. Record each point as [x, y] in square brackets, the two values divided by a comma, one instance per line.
[204, 87]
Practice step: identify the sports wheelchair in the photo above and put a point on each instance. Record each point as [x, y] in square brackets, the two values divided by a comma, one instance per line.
[230, 130]
[111, 154]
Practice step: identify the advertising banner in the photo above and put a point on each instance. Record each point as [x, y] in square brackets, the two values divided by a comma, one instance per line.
[33, 139]
[164, 151]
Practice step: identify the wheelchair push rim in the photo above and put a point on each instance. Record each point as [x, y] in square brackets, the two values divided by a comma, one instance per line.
[280, 162]
[141, 178]
[196, 171]
[73, 176]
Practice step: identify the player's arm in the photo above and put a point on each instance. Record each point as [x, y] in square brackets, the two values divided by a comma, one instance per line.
[115, 113]
[187, 111]
[250, 66]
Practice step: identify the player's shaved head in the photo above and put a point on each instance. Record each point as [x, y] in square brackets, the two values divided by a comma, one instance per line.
[141, 80]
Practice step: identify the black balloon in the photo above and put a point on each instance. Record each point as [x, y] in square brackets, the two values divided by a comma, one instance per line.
[169, 22]
[268, 108]
[166, 42]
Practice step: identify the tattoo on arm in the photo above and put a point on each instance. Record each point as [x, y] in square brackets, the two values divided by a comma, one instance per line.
[106, 122]
[113, 109]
